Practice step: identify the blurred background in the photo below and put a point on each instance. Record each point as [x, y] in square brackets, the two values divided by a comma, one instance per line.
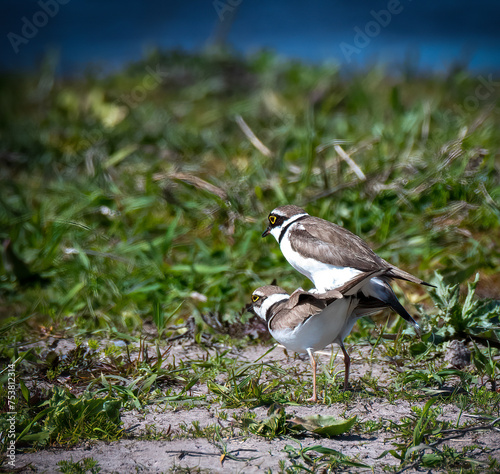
[430, 35]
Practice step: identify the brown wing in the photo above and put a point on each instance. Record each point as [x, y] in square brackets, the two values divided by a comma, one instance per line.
[352, 287]
[301, 296]
[334, 245]
[286, 318]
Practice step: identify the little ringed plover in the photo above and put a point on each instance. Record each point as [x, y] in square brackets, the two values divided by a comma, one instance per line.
[305, 322]
[330, 256]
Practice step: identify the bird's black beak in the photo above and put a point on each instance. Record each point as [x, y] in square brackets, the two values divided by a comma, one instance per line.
[266, 232]
[249, 308]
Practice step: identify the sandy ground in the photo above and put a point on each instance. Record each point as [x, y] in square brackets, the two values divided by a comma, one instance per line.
[253, 453]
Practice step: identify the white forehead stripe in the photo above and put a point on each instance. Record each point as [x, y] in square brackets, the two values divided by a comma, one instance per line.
[277, 213]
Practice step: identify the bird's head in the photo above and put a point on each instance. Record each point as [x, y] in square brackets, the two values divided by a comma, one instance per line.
[280, 217]
[265, 298]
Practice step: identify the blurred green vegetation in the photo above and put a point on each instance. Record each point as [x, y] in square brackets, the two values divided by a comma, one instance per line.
[137, 195]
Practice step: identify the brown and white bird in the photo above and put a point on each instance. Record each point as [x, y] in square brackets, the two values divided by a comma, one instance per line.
[305, 323]
[330, 256]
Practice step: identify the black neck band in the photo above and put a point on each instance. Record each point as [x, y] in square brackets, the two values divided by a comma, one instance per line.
[283, 231]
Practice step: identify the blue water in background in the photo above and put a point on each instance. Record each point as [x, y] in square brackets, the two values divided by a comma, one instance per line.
[109, 33]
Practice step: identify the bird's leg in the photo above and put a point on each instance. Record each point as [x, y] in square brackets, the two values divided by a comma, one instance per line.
[347, 365]
[314, 398]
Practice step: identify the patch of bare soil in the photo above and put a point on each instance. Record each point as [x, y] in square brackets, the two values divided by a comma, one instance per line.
[248, 454]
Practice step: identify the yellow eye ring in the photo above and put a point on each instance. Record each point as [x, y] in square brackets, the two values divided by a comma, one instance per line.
[272, 219]
[255, 298]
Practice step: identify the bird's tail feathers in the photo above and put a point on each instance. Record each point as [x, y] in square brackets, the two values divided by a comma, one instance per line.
[399, 308]
[386, 297]
[395, 272]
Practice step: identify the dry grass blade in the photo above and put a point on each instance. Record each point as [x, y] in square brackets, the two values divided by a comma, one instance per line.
[324, 146]
[354, 167]
[252, 137]
[199, 183]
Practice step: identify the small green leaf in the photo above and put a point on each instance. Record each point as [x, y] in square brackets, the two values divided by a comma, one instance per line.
[431, 459]
[325, 425]
[322, 450]
[24, 391]
[419, 348]
[35, 437]
[120, 155]
[112, 409]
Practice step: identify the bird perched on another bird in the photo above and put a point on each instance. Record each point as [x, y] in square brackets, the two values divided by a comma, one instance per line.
[330, 256]
[305, 322]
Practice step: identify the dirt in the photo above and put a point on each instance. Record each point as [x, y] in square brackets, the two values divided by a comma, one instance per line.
[252, 453]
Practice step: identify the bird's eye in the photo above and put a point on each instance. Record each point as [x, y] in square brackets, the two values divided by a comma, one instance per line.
[255, 298]
[272, 220]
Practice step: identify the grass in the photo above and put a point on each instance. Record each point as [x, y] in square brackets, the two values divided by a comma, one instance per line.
[80, 467]
[131, 224]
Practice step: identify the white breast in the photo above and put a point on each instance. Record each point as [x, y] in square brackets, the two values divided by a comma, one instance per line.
[330, 325]
[324, 276]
